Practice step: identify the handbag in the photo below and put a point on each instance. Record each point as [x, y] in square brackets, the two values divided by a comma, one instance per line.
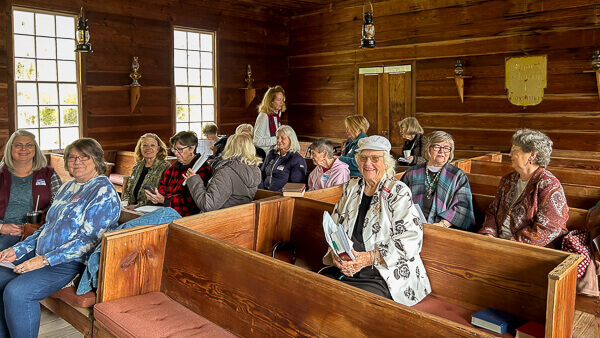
[575, 241]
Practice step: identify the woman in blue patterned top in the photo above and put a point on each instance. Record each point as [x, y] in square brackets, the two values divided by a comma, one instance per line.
[83, 209]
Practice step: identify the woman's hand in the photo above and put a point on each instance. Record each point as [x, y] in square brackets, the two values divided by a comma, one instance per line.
[155, 198]
[361, 260]
[35, 263]
[8, 255]
[189, 173]
[130, 207]
[11, 229]
[409, 159]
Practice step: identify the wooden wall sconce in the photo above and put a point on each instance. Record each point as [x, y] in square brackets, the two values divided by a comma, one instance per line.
[459, 79]
[135, 89]
[596, 69]
[249, 90]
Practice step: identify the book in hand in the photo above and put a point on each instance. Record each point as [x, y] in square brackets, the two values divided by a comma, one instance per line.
[293, 189]
[199, 162]
[531, 330]
[336, 237]
[494, 320]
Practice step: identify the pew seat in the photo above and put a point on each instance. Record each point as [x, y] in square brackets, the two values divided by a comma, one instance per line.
[124, 162]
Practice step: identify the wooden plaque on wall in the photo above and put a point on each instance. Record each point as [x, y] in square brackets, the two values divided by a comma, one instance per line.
[526, 79]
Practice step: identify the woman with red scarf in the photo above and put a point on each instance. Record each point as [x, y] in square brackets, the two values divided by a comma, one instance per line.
[269, 118]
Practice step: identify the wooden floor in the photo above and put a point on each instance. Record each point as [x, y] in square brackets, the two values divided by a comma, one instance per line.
[52, 326]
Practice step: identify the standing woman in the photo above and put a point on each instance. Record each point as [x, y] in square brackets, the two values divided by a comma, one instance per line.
[356, 128]
[268, 120]
[23, 177]
[414, 146]
[150, 154]
[439, 188]
[283, 164]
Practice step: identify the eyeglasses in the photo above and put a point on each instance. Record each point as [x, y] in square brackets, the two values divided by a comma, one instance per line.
[73, 159]
[373, 158]
[179, 150]
[24, 146]
[438, 147]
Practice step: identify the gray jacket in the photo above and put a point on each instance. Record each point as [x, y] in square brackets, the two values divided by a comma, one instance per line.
[233, 183]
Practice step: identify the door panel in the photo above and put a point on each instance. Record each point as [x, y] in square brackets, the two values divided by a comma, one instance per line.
[369, 96]
[399, 105]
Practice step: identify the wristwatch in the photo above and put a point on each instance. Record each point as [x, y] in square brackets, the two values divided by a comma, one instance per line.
[45, 261]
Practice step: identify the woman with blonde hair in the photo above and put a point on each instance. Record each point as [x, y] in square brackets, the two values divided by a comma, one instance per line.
[248, 129]
[268, 120]
[356, 128]
[150, 154]
[284, 163]
[235, 177]
[414, 146]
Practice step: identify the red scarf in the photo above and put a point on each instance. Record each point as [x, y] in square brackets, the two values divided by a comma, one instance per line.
[274, 122]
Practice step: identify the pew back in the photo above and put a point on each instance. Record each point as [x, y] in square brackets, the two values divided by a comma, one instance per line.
[329, 195]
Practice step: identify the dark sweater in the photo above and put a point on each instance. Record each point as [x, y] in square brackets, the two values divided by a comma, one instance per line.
[278, 170]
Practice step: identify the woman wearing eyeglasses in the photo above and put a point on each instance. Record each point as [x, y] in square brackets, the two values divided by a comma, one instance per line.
[83, 209]
[171, 192]
[23, 177]
[441, 189]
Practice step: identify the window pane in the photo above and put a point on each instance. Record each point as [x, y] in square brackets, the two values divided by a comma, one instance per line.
[68, 93]
[23, 22]
[206, 60]
[47, 93]
[24, 46]
[208, 96]
[181, 95]
[44, 25]
[197, 127]
[206, 42]
[65, 27]
[65, 49]
[27, 117]
[193, 41]
[195, 95]
[25, 69]
[180, 59]
[180, 76]
[49, 139]
[181, 127]
[193, 76]
[182, 114]
[46, 70]
[206, 77]
[193, 59]
[67, 71]
[67, 136]
[26, 94]
[195, 113]
[69, 116]
[45, 48]
[208, 112]
[49, 117]
[180, 40]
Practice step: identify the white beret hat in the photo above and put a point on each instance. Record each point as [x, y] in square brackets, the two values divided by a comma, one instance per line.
[374, 142]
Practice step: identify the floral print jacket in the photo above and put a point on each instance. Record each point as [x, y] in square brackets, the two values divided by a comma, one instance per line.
[393, 226]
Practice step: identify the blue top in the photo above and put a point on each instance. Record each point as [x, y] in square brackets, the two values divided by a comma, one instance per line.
[348, 155]
[20, 201]
[79, 215]
[278, 170]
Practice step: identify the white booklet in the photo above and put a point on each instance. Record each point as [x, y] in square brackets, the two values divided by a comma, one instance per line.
[7, 265]
[147, 208]
[199, 163]
[204, 147]
[336, 237]
[423, 219]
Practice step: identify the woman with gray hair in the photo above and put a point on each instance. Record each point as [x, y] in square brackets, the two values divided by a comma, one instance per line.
[24, 178]
[376, 211]
[329, 171]
[441, 189]
[283, 164]
[530, 204]
[83, 210]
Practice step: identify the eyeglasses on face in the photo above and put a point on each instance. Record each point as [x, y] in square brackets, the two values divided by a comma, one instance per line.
[438, 147]
[73, 159]
[24, 146]
[179, 150]
[373, 158]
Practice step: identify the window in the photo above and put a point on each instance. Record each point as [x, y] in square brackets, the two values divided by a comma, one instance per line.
[46, 77]
[194, 78]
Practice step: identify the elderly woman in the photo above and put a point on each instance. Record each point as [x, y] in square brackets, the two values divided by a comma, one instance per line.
[171, 192]
[283, 164]
[248, 129]
[377, 213]
[356, 128]
[235, 177]
[150, 153]
[414, 146]
[530, 204]
[24, 178]
[329, 171]
[440, 189]
[83, 209]
[268, 120]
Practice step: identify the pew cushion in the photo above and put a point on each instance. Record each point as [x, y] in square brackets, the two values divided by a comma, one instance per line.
[69, 296]
[154, 315]
[116, 179]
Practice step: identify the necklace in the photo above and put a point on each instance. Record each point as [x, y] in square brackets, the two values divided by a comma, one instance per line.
[430, 183]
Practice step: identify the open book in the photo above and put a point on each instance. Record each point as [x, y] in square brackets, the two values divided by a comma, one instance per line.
[199, 163]
[337, 239]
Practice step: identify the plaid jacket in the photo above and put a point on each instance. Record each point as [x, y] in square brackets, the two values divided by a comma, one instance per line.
[176, 195]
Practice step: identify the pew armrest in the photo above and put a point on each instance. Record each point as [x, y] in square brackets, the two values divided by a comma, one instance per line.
[131, 262]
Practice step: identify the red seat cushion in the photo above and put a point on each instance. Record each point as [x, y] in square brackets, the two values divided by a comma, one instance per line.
[116, 179]
[69, 296]
[154, 315]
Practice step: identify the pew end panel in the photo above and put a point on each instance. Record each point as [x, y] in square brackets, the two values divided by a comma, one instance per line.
[273, 223]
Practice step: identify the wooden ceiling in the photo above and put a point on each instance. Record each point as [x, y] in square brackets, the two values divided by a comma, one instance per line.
[286, 8]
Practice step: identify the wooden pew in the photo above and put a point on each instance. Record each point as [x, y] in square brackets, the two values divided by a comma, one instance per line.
[124, 162]
[330, 195]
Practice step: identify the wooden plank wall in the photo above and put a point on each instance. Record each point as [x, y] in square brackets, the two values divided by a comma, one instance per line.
[433, 33]
[121, 29]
